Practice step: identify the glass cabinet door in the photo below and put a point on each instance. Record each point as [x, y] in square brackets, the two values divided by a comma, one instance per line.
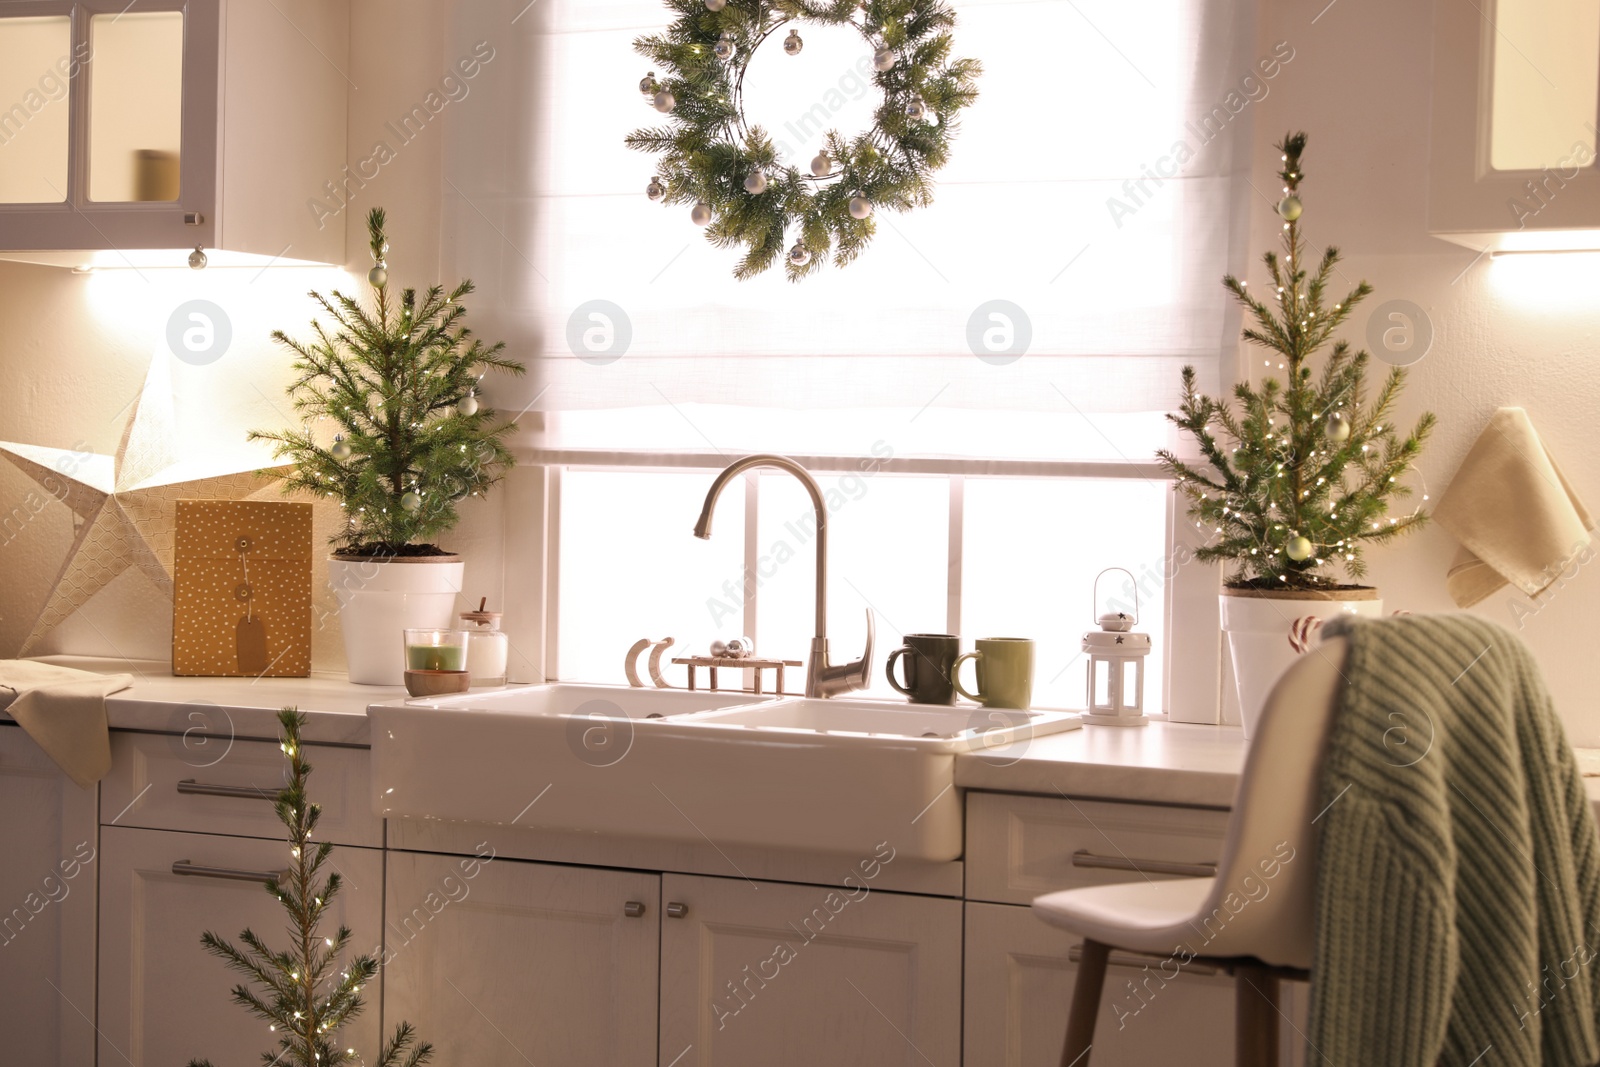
[36, 67]
[135, 114]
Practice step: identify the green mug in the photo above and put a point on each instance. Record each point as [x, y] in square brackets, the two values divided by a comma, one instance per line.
[1005, 672]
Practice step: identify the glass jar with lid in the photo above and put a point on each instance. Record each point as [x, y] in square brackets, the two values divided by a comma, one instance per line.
[488, 649]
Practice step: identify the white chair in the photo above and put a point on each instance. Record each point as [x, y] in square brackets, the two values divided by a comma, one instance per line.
[1272, 935]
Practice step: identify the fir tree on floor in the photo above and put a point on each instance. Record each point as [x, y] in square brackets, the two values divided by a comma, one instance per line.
[1297, 480]
[304, 994]
[399, 382]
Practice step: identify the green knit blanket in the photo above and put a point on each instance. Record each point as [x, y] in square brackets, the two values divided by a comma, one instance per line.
[1458, 888]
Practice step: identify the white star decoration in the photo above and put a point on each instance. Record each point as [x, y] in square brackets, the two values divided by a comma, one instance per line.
[125, 505]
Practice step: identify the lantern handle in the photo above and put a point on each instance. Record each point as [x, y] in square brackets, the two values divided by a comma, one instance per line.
[1095, 606]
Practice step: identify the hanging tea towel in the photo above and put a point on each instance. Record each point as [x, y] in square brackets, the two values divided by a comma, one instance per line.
[1517, 519]
[65, 712]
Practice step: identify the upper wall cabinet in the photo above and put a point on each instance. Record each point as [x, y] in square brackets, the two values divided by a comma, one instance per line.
[1516, 92]
[129, 134]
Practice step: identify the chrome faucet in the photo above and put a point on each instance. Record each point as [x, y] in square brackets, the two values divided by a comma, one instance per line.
[822, 678]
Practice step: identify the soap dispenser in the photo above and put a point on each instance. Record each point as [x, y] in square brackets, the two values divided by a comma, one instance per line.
[488, 649]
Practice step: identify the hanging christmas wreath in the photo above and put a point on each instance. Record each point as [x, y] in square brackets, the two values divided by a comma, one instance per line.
[729, 171]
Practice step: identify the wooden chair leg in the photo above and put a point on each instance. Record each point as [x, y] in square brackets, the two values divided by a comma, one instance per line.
[1256, 1018]
[1085, 1004]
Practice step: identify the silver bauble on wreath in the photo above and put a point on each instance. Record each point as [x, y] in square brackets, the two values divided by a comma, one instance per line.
[412, 502]
[664, 101]
[800, 255]
[883, 59]
[860, 207]
[716, 5]
[700, 215]
[1299, 548]
[341, 448]
[468, 405]
[1290, 208]
[378, 276]
[655, 190]
[792, 44]
[821, 164]
[724, 48]
[917, 109]
[755, 183]
[1338, 426]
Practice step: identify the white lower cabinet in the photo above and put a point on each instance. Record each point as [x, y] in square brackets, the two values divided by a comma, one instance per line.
[1019, 979]
[795, 976]
[499, 961]
[163, 998]
[49, 842]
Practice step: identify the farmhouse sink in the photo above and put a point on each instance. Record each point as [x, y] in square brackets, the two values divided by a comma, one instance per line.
[830, 776]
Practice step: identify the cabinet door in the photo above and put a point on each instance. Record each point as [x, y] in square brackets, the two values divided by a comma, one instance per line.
[510, 962]
[795, 975]
[1019, 977]
[47, 904]
[163, 998]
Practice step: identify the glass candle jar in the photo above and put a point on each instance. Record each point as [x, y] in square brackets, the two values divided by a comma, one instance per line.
[436, 650]
[488, 649]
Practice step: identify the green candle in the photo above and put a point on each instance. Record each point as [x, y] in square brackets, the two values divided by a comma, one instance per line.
[436, 657]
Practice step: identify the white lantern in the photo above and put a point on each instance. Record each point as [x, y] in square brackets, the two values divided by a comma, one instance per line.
[1115, 690]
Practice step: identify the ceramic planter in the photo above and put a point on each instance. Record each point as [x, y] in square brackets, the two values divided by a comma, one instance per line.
[1257, 623]
[380, 599]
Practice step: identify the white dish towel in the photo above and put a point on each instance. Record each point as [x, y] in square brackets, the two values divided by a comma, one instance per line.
[65, 712]
[1517, 518]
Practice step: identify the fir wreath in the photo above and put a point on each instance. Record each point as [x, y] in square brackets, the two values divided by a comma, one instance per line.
[729, 170]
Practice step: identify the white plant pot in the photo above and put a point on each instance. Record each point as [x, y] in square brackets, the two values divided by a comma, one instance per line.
[380, 600]
[1257, 624]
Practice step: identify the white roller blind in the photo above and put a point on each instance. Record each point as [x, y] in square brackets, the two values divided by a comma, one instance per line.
[1097, 185]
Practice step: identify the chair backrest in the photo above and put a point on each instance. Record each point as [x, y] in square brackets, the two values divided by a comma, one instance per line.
[1265, 889]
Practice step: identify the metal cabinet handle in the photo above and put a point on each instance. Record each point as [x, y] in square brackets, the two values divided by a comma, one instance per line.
[231, 874]
[1135, 959]
[243, 792]
[1084, 858]
[676, 910]
[633, 909]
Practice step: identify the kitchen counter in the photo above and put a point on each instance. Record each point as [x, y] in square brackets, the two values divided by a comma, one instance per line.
[1163, 763]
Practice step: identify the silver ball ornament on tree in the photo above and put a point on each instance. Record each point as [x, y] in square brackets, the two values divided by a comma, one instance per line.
[800, 255]
[655, 190]
[821, 164]
[1299, 548]
[700, 214]
[860, 207]
[411, 501]
[664, 101]
[792, 44]
[468, 405]
[724, 48]
[1290, 208]
[648, 84]
[378, 276]
[341, 448]
[883, 59]
[917, 109]
[1338, 426]
[755, 183]
[716, 5]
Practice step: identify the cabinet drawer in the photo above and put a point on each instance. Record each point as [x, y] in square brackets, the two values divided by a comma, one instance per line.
[160, 782]
[1019, 847]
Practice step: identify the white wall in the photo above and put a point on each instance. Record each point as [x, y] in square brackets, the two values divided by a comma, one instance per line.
[1512, 331]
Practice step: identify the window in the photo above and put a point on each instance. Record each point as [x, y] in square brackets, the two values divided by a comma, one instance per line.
[978, 556]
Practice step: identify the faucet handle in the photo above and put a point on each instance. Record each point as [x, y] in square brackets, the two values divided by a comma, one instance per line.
[863, 677]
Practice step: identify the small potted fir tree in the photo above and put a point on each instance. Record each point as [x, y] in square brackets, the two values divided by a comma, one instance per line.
[1294, 482]
[398, 380]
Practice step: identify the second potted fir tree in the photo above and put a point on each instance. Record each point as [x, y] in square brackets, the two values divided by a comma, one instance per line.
[398, 381]
[1295, 481]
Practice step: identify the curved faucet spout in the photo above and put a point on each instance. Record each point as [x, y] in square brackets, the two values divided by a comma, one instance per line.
[822, 678]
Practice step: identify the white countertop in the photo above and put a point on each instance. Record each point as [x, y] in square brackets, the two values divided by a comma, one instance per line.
[1165, 763]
